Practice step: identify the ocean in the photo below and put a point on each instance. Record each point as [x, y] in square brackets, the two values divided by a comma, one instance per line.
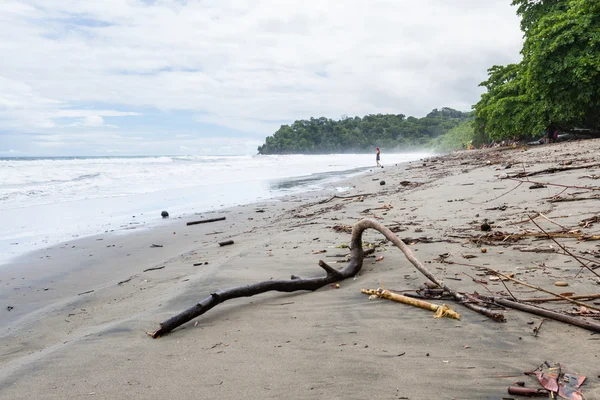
[45, 201]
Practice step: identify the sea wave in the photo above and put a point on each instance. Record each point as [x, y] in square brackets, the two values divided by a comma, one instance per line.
[41, 181]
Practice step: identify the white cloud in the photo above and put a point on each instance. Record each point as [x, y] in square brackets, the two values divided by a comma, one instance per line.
[241, 64]
[93, 120]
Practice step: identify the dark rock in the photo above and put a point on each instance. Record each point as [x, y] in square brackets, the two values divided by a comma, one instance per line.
[164, 214]
[382, 183]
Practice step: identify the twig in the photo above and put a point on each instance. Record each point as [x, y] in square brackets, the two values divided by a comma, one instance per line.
[556, 184]
[537, 330]
[540, 289]
[551, 221]
[509, 292]
[552, 170]
[568, 252]
[89, 291]
[497, 197]
[153, 269]
[479, 282]
[344, 197]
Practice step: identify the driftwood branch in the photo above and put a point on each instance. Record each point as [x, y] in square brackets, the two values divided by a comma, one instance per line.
[295, 283]
[540, 289]
[546, 299]
[344, 197]
[582, 323]
[556, 184]
[552, 170]
[204, 221]
[584, 265]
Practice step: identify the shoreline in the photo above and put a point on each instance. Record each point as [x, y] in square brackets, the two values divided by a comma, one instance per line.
[69, 220]
[328, 343]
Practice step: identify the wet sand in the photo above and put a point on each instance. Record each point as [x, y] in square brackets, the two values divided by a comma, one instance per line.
[57, 343]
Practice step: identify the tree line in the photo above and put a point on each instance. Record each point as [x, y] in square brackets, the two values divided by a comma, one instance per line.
[356, 134]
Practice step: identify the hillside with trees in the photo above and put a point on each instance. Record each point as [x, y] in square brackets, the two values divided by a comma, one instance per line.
[394, 132]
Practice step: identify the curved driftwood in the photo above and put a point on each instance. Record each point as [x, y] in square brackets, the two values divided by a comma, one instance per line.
[333, 275]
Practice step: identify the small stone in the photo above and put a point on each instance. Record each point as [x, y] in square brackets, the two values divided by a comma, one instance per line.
[382, 183]
[164, 214]
[483, 250]
[561, 283]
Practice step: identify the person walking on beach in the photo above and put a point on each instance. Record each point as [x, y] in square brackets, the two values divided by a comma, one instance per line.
[377, 156]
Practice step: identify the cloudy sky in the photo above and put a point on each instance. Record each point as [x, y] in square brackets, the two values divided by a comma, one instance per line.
[128, 77]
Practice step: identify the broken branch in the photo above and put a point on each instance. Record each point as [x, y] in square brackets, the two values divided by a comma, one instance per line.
[440, 311]
[204, 221]
[353, 266]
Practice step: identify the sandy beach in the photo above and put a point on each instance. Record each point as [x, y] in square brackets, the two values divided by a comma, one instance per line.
[75, 315]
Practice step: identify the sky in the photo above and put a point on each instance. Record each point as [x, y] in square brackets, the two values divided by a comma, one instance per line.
[153, 77]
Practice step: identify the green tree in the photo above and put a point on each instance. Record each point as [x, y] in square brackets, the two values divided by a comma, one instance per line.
[557, 84]
[562, 57]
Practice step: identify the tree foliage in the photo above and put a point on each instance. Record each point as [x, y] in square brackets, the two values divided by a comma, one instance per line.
[557, 84]
[389, 131]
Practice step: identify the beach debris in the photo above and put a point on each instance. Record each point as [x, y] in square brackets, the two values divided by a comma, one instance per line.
[483, 250]
[440, 311]
[537, 186]
[342, 228]
[522, 391]
[569, 295]
[164, 214]
[153, 269]
[384, 207]
[125, 281]
[382, 183]
[380, 258]
[485, 226]
[561, 283]
[226, 243]
[536, 330]
[558, 379]
[204, 221]
[319, 251]
[9, 308]
[295, 283]
[551, 170]
[200, 263]
[89, 291]
[589, 222]
[156, 245]
[360, 196]
[542, 312]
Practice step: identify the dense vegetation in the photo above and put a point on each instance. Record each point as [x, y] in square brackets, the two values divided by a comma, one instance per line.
[555, 86]
[389, 131]
[557, 83]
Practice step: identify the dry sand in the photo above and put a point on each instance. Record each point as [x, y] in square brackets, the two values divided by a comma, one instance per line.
[333, 343]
